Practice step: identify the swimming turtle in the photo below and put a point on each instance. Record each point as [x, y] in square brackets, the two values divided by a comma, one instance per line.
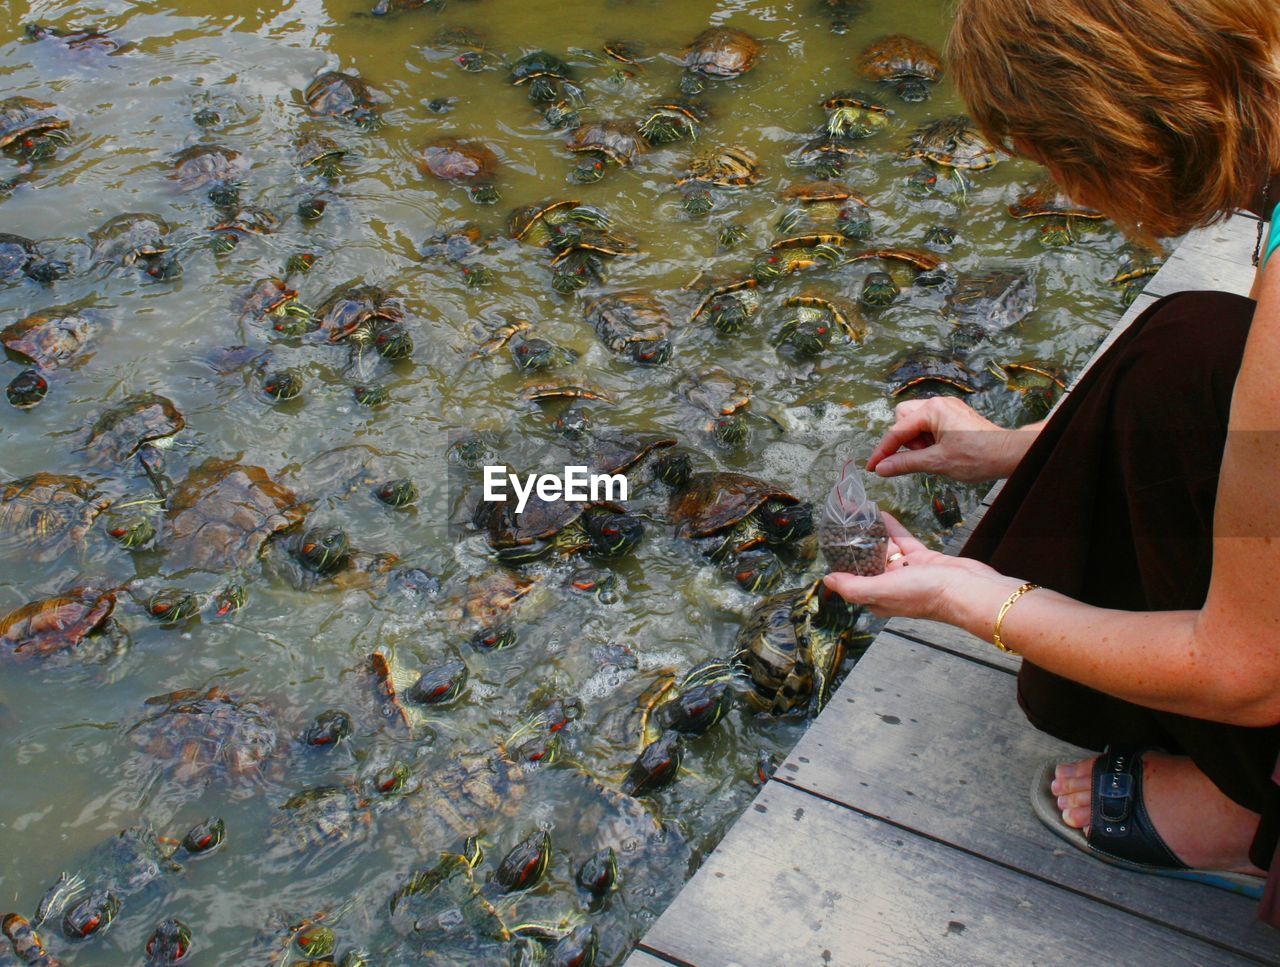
[21, 256]
[483, 608]
[953, 143]
[322, 557]
[316, 153]
[827, 154]
[880, 288]
[547, 222]
[94, 41]
[855, 114]
[544, 73]
[721, 400]
[730, 306]
[725, 167]
[274, 300]
[928, 372]
[221, 515]
[1037, 381]
[827, 203]
[47, 514]
[136, 238]
[324, 815]
[242, 221]
[910, 66]
[533, 354]
[32, 130]
[1061, 216]
[60, 624]
[354, 310]
[136, 425]
[615, 142]
[792, 646]
[721, 52]
[568, 527]
[1132, 277]
[992, 299]
[212, 168]
[339, 95]
[54, 338]
[471, 164]
[672, 119]
[634, 324]
[169, 944]
[465, 46]
[811, 328]
[729, 514]
[799, 253]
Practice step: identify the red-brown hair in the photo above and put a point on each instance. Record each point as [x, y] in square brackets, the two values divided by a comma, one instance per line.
[1163, 114]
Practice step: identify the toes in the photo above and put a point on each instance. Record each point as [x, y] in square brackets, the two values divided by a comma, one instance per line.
[1075, 770]
[1066, 785]
[1074, 800]
[1076, 817]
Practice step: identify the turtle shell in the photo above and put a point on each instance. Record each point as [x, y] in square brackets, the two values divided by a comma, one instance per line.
[731, 167]
[715, 392]
[266, 296]
[539, 63]
[898, 56]
[46, 514]
[923, 261]
[53, 338]
[522, 221]
[17, 254]
[954, 143]
[463, 162]
[205, 732]
[206, 166]
[222, 514]
[55, 624]
[350, 306]
[626, 317]
[711, 502]
[819, 192]
[924, 366]
[126, 238]
[118, 433]
[618, 453]
[22, 117]
[335, 94]
[251, 220]
[313, 149]
[488, 598]
[619, 141]
[857, 99]
[842, 315]
[997, 298]
[1045, 199]
[563, 391]
[540, 520]
[722, 52]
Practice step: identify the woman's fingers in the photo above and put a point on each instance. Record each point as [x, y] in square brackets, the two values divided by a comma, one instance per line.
[912, 429]
[900, 536]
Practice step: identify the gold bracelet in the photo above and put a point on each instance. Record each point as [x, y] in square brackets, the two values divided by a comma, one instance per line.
[1009, 602]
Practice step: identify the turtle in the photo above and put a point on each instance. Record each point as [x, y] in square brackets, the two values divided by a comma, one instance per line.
[61, 624]
[323, 815]
[993, 299]
[1132, 276]
[600, 529]
[26, 389]
[274, 299]
[827, 203]
[880, 288]
[483, 607]
[206, 734]
[140, 424]
[810, 329]
[32, 130]
[354, 310]
[616, 142]
[953, 143]
[136, 238]
[322, 557]
[244, 220]
[1045, 200]
[533, 354]
[728, 514]
[541, 392]
[827, 154]
[791, 648]
[544, 73]
[545, 222]
[169, 944]
[725, 167]
[672, 119]
[220, 516]
[581, 256]
[55, 338]
[855, 114]
[721, 400]
[384, 7]
[317, 153]
[721, 52]
[910, 66]
[634, 324]
[212, 168]
[468, 163]
[47, 514]
[928, 372]
[799, 253]
[466, 47]
[21, 257]
[729, 307]
[92, 41]
[1036, 381]
[339, 95]
[841, 13]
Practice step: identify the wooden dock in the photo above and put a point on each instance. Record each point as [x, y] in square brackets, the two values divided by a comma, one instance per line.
[899, 830]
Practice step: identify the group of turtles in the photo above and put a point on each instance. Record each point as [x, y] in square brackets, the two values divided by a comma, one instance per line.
[217, 526]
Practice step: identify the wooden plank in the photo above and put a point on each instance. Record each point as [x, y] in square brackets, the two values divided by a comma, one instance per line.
[799, 880]
[955, 640]
[642, 958]
[937, 744]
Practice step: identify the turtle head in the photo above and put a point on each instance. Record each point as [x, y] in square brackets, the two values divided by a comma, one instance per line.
[854, 222]
[173, 605]
[730, 432]
[390, 780]
[322, 550]
[170, 943]
[485, 195]
[393, 341]
[913, 90]
[90, 915]
[27, 389]
[613, 534]
[651, 352]
[879, 289]
[698, 200]
[327, 729]
[204, 837]
[494, 638]
[131, 530]
[728, 314]
[674, 467]
[164, 268]
[601, 584]
[588, 170]
[756, 571]
[784, 522]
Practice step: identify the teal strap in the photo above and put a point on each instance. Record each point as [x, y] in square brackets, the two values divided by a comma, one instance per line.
[1273, 238]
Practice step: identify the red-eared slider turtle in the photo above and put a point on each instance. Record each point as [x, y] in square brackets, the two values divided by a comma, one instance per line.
[567, 527]
[633, 324]
[465, 46]
[483, 608]
[727, 167]
[136, 238]
[353, 310]
[673, 119]
[31, 130]
[169, 944]
[799, 253]
[880, 288]
[855, 114]
[812, 327]
[542, 223]
[322, 557]
[59, 624]
[1038, 383]
[245, 220]
[991, 300]
[730, 514]
[319, 154]
[1133, 275]
[200, 734]
[61, 336]
[827, 154]
[213, 169]
[908, 65]
[47, 514]
[21, 256]
[729, 307]
[1045, 200]
[324, 815]
[87, 41]
[222, 514]
[617, 142]
[276, 299]
[468, 163]
[928, 372]
[721, 400]
[955, 144]
[337, 95]
[792, 646]
[827, 203]
[544, 74]
[138, 424]
[721, 52]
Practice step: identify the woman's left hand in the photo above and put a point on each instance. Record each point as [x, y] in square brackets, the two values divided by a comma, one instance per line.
[917, 583]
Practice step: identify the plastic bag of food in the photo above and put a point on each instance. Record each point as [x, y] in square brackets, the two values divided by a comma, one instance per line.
[851, 532]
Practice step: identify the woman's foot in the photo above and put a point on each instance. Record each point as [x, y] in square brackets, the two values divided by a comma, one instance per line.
[1204, 828]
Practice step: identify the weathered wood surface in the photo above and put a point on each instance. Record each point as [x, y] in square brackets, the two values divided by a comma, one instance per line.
[957, 641]
[799, 880]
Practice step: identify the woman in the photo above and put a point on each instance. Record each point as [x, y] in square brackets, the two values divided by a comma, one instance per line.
[1146, 511]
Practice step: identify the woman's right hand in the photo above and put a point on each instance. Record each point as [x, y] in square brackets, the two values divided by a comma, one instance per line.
[947, 436]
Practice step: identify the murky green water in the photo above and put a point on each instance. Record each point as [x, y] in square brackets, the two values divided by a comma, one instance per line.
[71, 771]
